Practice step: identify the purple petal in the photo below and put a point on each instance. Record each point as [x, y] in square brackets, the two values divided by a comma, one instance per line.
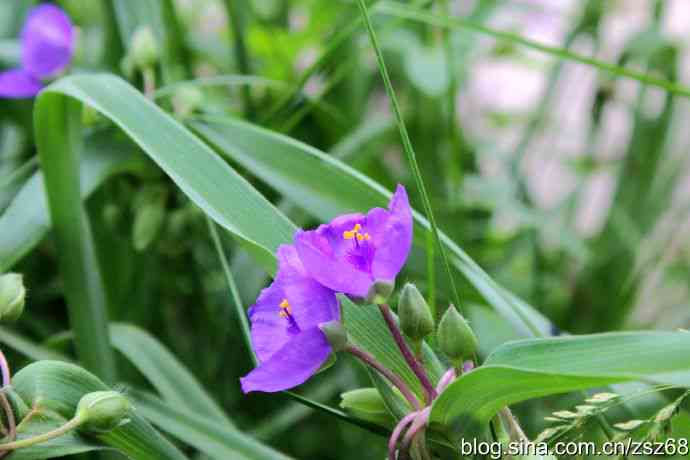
[47, 41]
[310, 304]
[292, 365]
[322, 262]
[392, 234]
[18, 84]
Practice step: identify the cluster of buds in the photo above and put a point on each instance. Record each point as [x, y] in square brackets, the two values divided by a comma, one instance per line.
[454, 336]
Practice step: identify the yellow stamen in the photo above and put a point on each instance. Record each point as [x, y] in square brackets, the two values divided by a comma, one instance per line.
[285, 308]
[354, 233]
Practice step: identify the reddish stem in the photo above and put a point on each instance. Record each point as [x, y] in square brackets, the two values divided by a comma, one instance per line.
[370, 360]
[414, 364]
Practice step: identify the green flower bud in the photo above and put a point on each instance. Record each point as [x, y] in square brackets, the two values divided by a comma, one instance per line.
[12, 296]
[455, 337]
[336, 334]
[366, 404]
[415, 317]
[380, 291]
[186, 100]
[103, 410]
[144, 48]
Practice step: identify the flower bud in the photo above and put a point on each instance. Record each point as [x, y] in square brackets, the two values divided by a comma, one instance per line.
[380, 291]
[103, 410]
[455, 337]
[144, 48]
[415, 317]
[366, 404]
[336, 334]
[12, 296]
[186, 100]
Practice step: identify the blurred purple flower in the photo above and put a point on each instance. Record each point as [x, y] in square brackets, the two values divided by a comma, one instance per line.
[285, 327]
[47, 45]
[354, 251]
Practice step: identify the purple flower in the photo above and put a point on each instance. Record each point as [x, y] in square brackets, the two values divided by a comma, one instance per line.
[285, 327]
[47, 44]
[354, 251]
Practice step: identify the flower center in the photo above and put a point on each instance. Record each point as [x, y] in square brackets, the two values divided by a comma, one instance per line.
[286, 312]
[355, 234]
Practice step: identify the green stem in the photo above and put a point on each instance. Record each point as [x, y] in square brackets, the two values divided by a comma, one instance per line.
[234, 292]
[67, 427]
[409, 150]
[240, 51]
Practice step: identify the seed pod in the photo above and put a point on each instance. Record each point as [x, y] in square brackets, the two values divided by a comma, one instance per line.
[414, 313]
[102, 411]
[455, 337]
[12, 296]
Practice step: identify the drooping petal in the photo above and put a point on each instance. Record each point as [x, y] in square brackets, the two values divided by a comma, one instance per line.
[18, 84]
[324, 265]
[392, 233]
[269, 331]
[47, 41]
[290, 366]
[310, 304]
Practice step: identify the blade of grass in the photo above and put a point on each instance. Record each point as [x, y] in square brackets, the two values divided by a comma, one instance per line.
[232, 286]
[237, 20]
[409, 150]
[403, 11]
[59, 153]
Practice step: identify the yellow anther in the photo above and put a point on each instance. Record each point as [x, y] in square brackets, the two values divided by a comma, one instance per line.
[354, 233]
[285, 309]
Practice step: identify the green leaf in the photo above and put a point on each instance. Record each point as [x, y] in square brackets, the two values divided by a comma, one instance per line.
[205, 435]
[164, 371]
[27, 347]
[26, 221]
[59, 386]
[57, 123]
[533, 368]
[326, 187]
[206, 179]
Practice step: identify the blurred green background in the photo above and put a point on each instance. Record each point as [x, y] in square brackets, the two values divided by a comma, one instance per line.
[566, 182]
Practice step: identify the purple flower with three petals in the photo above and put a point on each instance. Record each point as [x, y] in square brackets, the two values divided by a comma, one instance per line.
[285, 327]
[348, 256]
[47, 45]
[354, 251]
